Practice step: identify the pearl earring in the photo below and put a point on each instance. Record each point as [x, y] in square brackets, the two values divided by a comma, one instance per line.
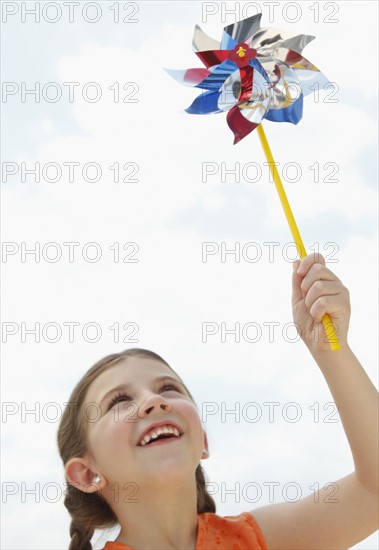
[97, 479]
[205, 451]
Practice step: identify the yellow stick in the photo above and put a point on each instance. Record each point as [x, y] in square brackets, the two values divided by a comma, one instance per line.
[326, 321]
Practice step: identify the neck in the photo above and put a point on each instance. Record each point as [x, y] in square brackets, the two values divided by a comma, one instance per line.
[164, 516]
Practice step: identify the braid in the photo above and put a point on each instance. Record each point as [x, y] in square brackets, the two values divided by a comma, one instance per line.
[205, 502]
[80, 538]
[88, 511]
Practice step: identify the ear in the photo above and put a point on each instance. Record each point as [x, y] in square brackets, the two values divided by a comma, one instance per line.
[82, 477]
[205, 447]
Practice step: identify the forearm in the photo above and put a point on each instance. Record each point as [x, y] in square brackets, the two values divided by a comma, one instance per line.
[357, 401]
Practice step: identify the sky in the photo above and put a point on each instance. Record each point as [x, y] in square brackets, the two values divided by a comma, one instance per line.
[151, 229]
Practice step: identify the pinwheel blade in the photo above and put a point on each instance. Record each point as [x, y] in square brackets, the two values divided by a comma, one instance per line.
[292, 113]
[202, 42]
[188, 77]
[242, 31]
[205, 104]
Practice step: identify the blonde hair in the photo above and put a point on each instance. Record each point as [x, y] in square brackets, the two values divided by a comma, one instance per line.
[90, 511]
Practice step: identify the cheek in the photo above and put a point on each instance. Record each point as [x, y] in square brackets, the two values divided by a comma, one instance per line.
[192, 416]
[112, 433]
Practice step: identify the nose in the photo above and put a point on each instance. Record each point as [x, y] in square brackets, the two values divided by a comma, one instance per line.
[153, 402]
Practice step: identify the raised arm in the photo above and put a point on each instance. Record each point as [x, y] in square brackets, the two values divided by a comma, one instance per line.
[313, 522]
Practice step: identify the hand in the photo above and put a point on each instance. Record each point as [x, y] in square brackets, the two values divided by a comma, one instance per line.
[316, 291]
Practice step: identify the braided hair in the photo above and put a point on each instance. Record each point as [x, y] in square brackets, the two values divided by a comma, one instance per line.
[90, 511]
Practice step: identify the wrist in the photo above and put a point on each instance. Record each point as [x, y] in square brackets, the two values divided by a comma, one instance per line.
[326, 357]
[315, 338]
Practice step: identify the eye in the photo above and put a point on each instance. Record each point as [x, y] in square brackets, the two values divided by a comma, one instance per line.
[170, 386]
[118, 399]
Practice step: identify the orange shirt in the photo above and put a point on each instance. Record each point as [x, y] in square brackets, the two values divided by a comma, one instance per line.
[220, 533]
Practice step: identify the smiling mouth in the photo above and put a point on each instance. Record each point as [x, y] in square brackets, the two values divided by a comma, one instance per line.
[160, 441]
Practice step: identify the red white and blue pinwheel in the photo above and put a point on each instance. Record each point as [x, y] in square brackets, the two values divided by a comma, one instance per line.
[253, 73]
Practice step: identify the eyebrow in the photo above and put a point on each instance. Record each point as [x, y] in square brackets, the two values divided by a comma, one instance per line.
[128, 386]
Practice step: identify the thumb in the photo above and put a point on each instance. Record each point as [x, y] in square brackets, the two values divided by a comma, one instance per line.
[297, 294]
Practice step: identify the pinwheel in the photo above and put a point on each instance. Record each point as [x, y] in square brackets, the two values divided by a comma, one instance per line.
[255, 73]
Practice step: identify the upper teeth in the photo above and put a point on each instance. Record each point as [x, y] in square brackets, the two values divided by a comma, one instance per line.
[155, 432]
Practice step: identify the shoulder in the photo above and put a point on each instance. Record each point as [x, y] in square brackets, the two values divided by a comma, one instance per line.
[241, 530]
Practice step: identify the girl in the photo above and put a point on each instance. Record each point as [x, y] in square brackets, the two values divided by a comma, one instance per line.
[137, 462]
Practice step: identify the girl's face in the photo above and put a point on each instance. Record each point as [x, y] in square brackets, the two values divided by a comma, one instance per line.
[129, 398]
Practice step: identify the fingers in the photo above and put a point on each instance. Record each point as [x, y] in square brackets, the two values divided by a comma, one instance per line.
[319, 298]
[307, 262]
[316, 291]
[315, 275]
[297, 293]
[336, 305]
[321, 290]
[312, 268]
